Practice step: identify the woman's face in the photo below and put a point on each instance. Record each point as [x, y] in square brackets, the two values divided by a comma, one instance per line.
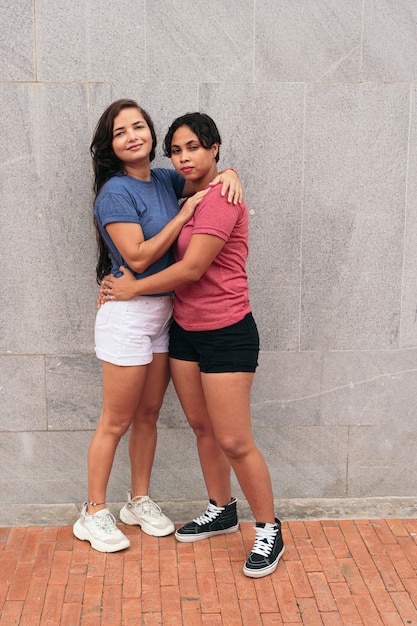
[132, 139]
[191, 159]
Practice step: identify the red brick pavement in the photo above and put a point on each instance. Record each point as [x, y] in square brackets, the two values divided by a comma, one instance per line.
[333, 573]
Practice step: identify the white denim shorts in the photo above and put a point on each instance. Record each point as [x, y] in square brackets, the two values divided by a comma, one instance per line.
[131, 331]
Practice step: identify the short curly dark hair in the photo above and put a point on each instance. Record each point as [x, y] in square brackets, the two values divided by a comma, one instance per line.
[201, 124]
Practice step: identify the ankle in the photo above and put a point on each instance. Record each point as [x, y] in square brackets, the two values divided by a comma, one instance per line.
[95, 507]
[221, 502]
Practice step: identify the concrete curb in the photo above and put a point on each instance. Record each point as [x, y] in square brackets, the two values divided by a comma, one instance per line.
[15, 515]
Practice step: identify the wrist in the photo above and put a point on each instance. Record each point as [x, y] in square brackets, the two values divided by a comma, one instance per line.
[181, 219]
[179, 223]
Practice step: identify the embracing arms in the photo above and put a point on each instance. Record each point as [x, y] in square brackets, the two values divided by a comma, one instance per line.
[200, 253]
[140, 253]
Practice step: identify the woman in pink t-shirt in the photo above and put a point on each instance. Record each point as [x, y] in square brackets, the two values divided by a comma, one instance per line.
[214, 345]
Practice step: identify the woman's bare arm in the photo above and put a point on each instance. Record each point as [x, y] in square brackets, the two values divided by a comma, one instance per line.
[139, 253]
[201, 252]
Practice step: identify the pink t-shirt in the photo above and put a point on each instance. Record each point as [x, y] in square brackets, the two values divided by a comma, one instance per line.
[221, 297]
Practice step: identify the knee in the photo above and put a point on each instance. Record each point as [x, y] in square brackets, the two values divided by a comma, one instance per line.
[235, 448]
[149, 414]
[114, 426]
[201, 428]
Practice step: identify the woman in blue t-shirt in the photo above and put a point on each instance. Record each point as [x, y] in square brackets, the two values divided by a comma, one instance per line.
[137, 218]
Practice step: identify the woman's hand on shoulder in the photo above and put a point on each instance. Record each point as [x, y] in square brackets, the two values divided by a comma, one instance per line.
[190, 205]
[231, 185]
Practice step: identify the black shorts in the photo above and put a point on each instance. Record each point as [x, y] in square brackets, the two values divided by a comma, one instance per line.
[234, 348]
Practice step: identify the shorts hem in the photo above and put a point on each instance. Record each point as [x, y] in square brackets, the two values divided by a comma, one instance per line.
[217, 369]
[234, 369]
[124, 361]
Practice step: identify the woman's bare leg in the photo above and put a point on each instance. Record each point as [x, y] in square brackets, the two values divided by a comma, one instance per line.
[214, 464]
[227, 398]
[143, 433]
[122, 389]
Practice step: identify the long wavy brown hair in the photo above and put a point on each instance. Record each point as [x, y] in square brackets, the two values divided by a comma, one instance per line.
[106, 165]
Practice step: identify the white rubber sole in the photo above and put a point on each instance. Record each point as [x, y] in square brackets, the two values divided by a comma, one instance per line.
[131, 520]
[82, 533]
[201, 536]
[265, 572]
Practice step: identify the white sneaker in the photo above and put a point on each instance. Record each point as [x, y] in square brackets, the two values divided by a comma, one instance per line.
[101, 531]
[147, 514]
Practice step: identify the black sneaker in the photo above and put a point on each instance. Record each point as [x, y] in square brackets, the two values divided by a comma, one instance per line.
[266, 552]
[217, 520]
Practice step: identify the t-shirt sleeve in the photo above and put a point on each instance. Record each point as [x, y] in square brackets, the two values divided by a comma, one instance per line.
[215, 215]
[115, 207]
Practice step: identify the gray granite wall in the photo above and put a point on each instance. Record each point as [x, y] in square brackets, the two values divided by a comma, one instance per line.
[317, 104]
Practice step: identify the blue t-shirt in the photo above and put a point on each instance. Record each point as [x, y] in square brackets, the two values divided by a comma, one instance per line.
[151, 204]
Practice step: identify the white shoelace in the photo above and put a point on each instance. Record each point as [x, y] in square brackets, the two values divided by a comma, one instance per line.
[211, 513]
[106, 522]
[264, 541]
[149, 507]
